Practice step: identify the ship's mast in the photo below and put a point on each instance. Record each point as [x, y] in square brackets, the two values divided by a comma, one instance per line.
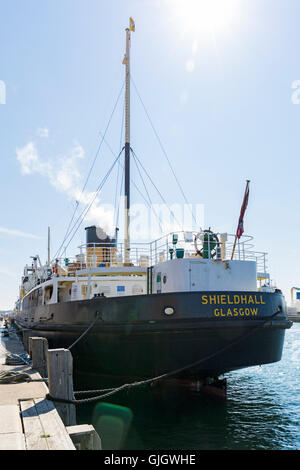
[48, 246]
[127, 143]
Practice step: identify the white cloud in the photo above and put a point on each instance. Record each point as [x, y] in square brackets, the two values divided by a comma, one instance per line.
[63, 173]
[30, 162]
[18, 233]
[43, 132]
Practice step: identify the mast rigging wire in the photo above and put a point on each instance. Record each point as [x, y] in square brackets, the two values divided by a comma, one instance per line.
[80, 219]
[89, 205]
[89, 174]
[150, 202]
[136, 187]
[161, 196]
[162, 148]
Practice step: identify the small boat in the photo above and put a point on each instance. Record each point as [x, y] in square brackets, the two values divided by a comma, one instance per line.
[192, 304]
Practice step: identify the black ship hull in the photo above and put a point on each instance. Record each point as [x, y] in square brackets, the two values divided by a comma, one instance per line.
[211, 332]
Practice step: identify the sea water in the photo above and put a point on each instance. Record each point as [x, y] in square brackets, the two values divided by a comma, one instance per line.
[262, 411]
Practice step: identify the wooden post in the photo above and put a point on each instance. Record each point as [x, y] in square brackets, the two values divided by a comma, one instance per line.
[39, 348]
[30, 345]
[84, 437]
[26, 334]
[60, 382]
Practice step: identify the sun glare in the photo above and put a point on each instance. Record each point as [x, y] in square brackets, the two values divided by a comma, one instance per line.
[197, 17]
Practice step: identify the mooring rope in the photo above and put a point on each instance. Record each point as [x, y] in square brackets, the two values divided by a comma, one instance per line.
[13, 377]
[13, 356]
[98, 317]
[112, 391]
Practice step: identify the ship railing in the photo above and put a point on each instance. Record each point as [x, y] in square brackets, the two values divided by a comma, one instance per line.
[94, 255]
[171, 246]
[189, 244]
[261, 259]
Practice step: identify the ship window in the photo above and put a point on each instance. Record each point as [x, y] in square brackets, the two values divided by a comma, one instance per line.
[104, 290]
[136, 289]
[106, 253]
[169, 310]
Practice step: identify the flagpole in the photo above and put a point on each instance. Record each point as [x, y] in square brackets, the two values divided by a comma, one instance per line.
[236, 235]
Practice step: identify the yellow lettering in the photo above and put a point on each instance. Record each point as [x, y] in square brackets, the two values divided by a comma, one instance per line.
[223, 299]
[229, 312]
[204, 299]
[243, 299]
[261, 300]
[250, 300]
[212, 299]
[256, 301]
[236, 299]
[235, 312]
[228, 300]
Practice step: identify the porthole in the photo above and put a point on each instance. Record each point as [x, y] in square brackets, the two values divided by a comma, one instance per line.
[164, 279]
[169, 311]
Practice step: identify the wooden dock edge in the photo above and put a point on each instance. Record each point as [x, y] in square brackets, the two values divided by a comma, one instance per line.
[35, 423]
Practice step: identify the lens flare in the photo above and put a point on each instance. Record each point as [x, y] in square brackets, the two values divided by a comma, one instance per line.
[197, 17]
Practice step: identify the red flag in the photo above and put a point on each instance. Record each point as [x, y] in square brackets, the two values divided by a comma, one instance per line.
[240, 229]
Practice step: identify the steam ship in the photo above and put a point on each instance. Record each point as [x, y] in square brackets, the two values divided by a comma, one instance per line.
[200, 303]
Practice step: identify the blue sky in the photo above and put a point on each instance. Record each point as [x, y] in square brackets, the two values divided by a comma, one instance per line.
[220, 98]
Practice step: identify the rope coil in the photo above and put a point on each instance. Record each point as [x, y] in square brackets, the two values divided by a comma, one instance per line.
[12, 377]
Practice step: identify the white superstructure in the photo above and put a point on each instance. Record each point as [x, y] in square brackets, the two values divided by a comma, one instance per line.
[178, 262]
[192, 274]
